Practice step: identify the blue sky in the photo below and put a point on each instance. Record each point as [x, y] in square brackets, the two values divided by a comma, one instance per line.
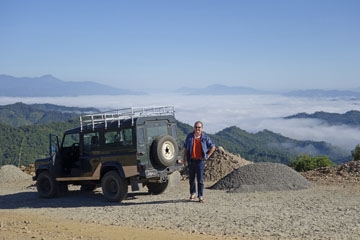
[171, 44]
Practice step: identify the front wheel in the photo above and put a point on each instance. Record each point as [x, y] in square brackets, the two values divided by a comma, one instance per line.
[46, 186]
[114, 187]
[157, 188]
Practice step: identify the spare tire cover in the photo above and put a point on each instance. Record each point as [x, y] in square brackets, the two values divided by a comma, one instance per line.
[165, 150]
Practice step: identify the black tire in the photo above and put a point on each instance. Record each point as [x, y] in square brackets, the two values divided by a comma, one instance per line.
[157, 188]
[165, 150]
[46, 186]
[114, 187]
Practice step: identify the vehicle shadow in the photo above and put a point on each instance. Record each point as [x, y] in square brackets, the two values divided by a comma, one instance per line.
[72, 199]
[125, 203]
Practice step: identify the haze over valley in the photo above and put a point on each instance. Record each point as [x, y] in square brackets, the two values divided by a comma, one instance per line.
[252, 113]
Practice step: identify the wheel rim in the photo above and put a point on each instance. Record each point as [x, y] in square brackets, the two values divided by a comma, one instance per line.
[112, 187]
[168, 150]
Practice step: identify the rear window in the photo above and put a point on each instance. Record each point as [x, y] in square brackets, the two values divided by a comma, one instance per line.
[155, 129]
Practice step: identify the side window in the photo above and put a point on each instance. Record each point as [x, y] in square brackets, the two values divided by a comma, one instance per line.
[119, 138]
[71, 139]
[140, 135]
[128, 137]
[172, 130]
[91, 141]
[113, 138]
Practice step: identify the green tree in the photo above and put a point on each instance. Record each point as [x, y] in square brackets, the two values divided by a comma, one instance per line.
[306, 162]
[356, 153]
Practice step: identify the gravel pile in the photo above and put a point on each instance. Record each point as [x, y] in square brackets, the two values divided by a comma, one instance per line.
[219, 165]
[348, 172]
[262, 177]
[11, 174]
[222, 163]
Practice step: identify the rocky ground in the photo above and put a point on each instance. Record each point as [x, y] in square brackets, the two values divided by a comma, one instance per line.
[323, 211]
[340, 174]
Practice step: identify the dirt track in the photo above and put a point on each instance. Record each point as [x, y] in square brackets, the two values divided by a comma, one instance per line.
[321, 212]
[24, 226]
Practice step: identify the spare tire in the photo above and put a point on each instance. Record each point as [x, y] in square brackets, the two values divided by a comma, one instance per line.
[165, 150]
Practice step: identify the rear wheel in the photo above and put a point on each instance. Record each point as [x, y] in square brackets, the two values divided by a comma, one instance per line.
[157, 188]
[114, 186]
[46, 186]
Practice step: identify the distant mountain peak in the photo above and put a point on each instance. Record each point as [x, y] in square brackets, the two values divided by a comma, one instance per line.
[50, 86]
[47, 76]
[220, 89]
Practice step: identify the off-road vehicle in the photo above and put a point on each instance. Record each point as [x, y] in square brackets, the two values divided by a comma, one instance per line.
[115, 149]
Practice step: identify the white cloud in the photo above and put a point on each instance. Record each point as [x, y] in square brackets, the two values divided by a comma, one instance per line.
[310, 129]
[252, 113]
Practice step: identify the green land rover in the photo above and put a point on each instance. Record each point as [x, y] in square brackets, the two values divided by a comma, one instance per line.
[115, 149]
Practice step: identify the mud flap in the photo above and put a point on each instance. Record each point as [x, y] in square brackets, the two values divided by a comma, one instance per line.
[135, 184]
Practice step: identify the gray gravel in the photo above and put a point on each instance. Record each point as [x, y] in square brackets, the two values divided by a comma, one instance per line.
[320, 212]
[261, 177]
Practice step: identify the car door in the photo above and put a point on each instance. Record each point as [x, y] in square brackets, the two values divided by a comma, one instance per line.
[119, 147]
[90, 153]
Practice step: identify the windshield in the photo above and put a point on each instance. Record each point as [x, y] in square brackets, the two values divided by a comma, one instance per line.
[70, 140]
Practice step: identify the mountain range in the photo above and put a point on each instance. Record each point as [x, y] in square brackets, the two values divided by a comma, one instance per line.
[20, 114]
[218, 89]
[28, 138]
[319, 93]
[351, 118]
[49, 86]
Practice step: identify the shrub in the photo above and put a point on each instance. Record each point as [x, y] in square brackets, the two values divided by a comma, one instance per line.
[306, 162]
[356, 153]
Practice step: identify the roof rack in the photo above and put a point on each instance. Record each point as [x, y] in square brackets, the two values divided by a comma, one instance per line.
[122, 114]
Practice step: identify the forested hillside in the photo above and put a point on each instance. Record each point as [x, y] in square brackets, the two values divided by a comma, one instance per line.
[351, 118]
[267, 146]
[20, 114]
[23, 145]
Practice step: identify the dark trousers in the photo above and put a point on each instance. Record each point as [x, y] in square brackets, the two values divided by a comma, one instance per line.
[196, 168]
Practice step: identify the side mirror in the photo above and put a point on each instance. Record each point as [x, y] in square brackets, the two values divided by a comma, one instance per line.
[52, 149]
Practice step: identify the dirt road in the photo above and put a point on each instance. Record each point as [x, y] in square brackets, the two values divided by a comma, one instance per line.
[321, 212]
[20, 226]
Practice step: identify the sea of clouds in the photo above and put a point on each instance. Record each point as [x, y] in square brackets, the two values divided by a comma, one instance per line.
[252, 113]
